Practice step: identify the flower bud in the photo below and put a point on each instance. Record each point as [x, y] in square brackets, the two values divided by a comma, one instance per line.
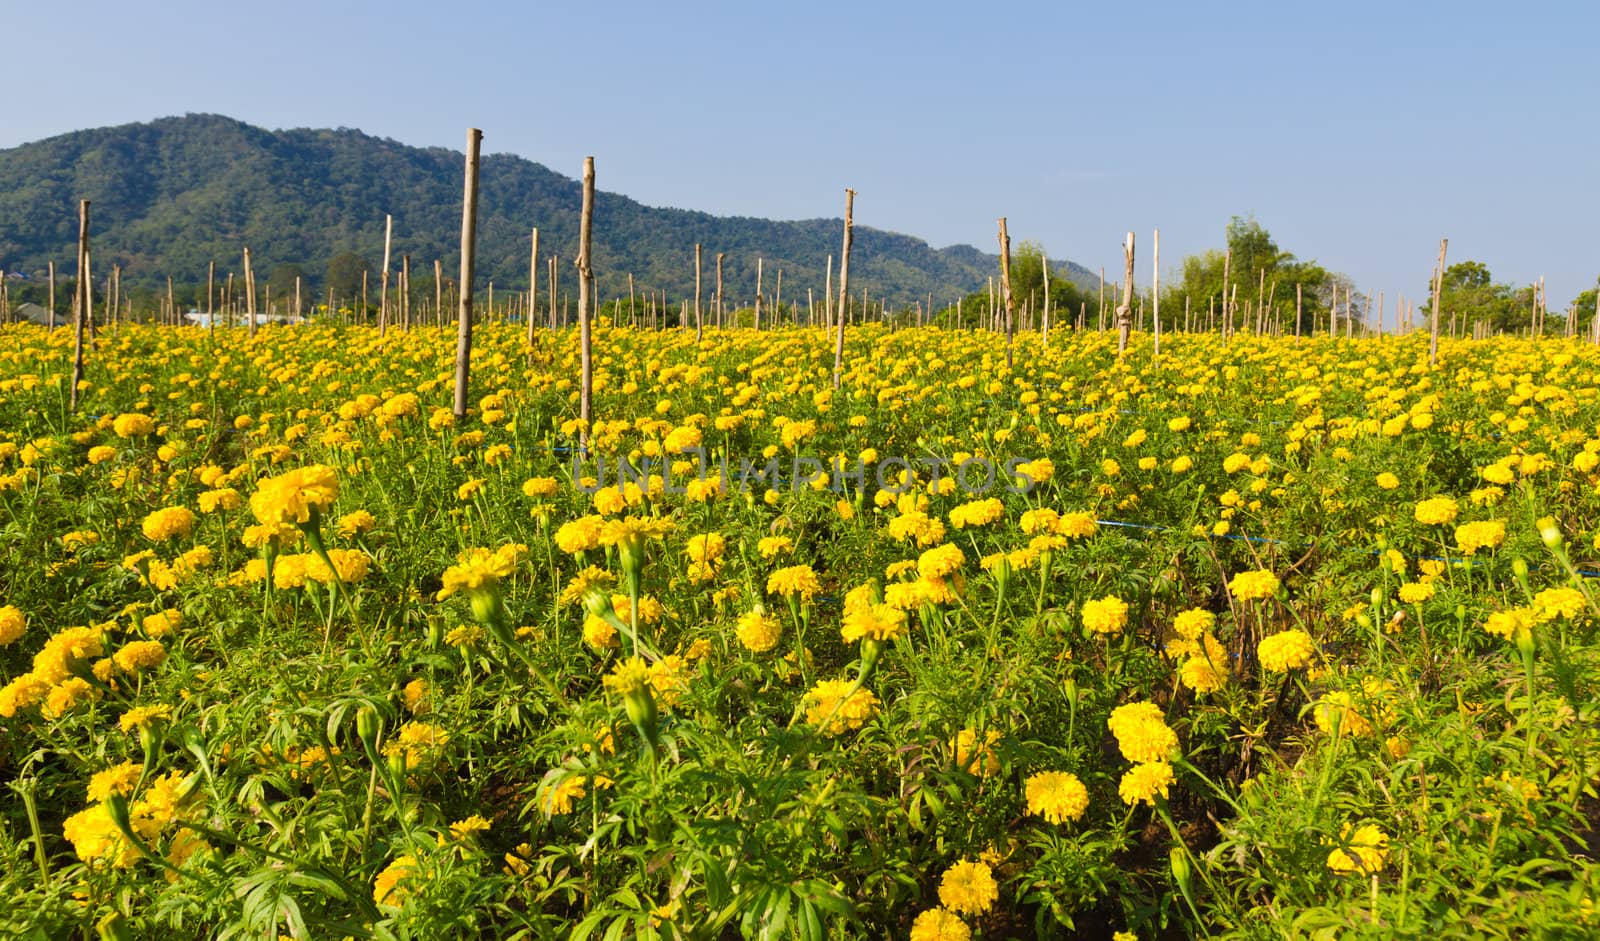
[1551, 536]
[1519, 568]
[1178, 857]
[368, 726]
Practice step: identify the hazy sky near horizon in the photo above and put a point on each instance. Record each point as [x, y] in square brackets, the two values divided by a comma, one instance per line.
[1357, 133]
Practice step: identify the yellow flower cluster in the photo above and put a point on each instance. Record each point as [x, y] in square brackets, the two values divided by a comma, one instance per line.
[835, 706]
[291, 498]
[478, 568]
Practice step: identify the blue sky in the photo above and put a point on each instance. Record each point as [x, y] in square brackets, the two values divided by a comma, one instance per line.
[1357, 133]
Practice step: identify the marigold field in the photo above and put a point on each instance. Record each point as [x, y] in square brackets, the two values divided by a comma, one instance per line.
[1262, 638]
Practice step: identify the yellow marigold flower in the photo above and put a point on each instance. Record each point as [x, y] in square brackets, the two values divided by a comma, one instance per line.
[1253, 586]
[97, 840]
[1363, 851]
[117, 779]
[1181, 423]
[388, 888]
[1108, 615]
[981, 760]
[1483, 534]
[770, 546]
[1057, 796]
[795, 580]
[1193, 623]
[12, 625]
[1437, 511]
[941, 561]
[1182, 464]
[223, 498]
[1285, 650]
[598, 633]
[1043, 520]
[1206, 670]
[1388, 481]
[1510, 623]
[1416, 592]
[465, 635]
[592, 577]
[968, 888]
[24, 692]
[758, 631]
[1552, 603]
[628, 677]
[133, 425]
[173, 522]
[977, 513]
[141, 717]
[478, 568]
[559, 797]
[829, 708]
[417, 695]
[706, 547]
[140, 655]
[1078, 525]
[360, 521]
[1355, 714]
[101, 453]
[1141, 732]
[462, 829]
[1235, 462]
[55, 661]
[937, 924]
[881, 622]
[68, 695]
[1143, 783]
[290, 499]
[540, 487]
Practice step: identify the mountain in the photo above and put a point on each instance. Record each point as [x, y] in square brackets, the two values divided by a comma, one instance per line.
[169, 196]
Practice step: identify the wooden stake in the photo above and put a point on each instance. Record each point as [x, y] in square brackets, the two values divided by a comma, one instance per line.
[383, 290]
[1005, 287]
[52, 316]
[1044, 333]
[1125, 309]
[1155, 289]
[82, 305]
[698, 325]
[1438, 288]
[586, 300]
[533, 281]
[249, 292]
[844, 282]
[469, 246]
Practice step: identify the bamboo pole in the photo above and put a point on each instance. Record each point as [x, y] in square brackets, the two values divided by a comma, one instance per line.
[405, 292]
[1044, 338]
[698, 325]
[757, 319]
[533, 280]
[586, 300]
[720, 324]
[249, 292]
[1100, 319]
[827, 297]
[82, 304]
[844, 282]
[1438, 299]
[383, 289]
[469, 245]
[1125, 309]
[1005, 287]
[52, 314]
[1155, 289]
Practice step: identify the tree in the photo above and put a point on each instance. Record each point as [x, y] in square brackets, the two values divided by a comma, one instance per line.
[283, 280]
[344, 274]
[1253, 254]
[1469, 294]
